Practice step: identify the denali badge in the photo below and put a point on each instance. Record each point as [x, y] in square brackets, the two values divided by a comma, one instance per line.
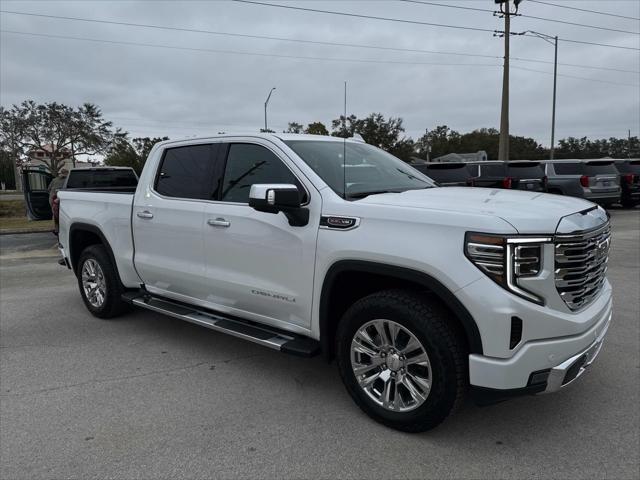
[338, 223]
[275, 296]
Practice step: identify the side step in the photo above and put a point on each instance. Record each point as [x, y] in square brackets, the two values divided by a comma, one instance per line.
[263, 335]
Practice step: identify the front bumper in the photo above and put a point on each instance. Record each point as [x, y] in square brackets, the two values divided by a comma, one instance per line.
[568, 371]
[550, 337]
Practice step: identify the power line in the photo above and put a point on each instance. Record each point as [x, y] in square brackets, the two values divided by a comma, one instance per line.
[370, 17]
[584, 10]
[582, 42]
[578, 78]
[460, 7]
[575, 24]
[415, 22]
[578, 24]
[236, 52]
[296, 57]
[261, 37]
[303, 41]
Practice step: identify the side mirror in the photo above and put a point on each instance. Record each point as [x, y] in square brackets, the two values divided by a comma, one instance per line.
[279, 197]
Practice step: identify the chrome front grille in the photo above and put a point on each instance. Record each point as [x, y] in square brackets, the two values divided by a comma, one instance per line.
[581, 265]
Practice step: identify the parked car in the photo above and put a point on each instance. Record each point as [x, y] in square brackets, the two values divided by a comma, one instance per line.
[594, 180]
[308, 244]
[516, 175]
[447, 174]
[629, 181]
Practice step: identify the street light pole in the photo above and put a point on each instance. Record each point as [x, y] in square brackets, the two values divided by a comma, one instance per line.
[265, 109]
[554, 42]
[555, 82]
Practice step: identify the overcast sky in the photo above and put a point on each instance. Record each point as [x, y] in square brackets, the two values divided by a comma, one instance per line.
[152, 91]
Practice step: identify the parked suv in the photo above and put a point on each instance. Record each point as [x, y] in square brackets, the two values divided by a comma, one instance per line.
[516, 175]
[308, 244]
[629, 181]
[595, 180]
[447, 174]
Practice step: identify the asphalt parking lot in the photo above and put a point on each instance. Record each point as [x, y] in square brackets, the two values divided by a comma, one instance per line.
[147, 396]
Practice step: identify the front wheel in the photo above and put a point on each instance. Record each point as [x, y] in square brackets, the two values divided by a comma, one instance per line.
[99, 283]
[401, 360]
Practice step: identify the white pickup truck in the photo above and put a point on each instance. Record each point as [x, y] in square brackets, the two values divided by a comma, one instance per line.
[310, 244]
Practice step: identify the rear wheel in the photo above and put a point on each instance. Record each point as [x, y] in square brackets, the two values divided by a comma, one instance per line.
[99, 283]
[400, 359]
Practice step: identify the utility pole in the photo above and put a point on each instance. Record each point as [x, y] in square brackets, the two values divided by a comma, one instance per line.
[629, 139]
[503, 148]
[505, 11]
[266, 129]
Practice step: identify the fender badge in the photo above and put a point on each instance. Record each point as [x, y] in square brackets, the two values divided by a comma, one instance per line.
[338, 223]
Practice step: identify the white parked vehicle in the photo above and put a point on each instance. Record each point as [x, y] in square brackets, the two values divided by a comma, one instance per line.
[310, 244]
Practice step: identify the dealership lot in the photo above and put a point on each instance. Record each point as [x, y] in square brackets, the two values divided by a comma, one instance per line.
[146, 396]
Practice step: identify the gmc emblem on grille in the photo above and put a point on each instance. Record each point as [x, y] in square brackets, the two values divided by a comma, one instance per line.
[601, 250]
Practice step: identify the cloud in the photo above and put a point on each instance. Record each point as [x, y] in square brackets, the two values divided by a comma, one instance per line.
[159, 91]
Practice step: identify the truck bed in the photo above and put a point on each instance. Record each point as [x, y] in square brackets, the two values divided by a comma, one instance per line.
[109, 212]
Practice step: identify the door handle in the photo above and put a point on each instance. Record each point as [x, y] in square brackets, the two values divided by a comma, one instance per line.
[219, 222]
[145, 214]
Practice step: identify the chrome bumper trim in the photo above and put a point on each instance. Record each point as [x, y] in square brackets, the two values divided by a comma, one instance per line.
[559, 372]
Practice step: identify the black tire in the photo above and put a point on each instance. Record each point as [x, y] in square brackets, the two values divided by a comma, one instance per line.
[431, 323]
[629, 203]
[112, 304]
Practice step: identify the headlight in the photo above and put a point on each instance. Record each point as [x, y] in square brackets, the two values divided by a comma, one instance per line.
[507, 259]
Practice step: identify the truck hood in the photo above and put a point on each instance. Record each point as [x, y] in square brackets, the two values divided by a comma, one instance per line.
[528, 212]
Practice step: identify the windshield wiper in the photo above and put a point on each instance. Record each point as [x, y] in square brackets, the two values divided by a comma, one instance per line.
[372, 192]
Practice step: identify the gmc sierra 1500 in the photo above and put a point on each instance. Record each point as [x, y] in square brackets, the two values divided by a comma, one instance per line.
[311, 244]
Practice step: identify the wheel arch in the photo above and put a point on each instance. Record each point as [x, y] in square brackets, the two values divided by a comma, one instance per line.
[83, 235]
[344, 272]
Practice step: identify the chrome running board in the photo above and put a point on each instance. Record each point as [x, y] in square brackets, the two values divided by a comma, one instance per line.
[262, 335]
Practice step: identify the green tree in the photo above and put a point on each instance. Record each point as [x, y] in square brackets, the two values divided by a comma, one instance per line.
[294, 127]
[387, 134]
[134, 153]
[316, 128]
[442, 140]
[55, 128]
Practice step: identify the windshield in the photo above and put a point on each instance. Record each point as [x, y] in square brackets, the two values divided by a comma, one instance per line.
[631, 166]
[446, 173]
[368, 169]
[600, 168]
[525, 170]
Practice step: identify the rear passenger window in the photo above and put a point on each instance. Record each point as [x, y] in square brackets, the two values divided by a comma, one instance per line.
[249, 164]
[185, 172]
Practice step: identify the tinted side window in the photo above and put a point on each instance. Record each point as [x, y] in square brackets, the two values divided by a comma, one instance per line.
[568, 168]
[248, 164]
[524, 170]
[185, 172]
[101, 178]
